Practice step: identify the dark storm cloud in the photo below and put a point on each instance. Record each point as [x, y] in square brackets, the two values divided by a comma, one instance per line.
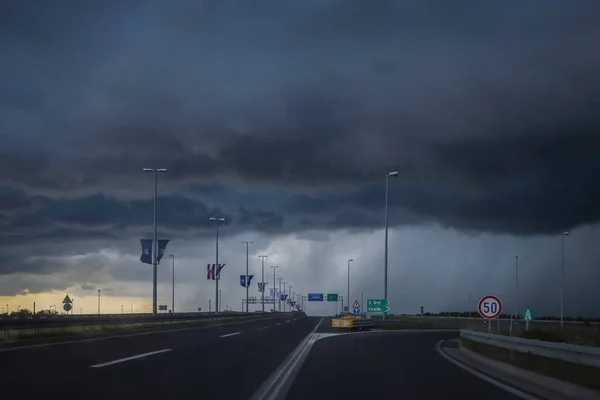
[488, 112]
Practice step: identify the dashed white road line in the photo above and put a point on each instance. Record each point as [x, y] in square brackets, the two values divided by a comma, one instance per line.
[121, 360]
[230, 334]
[287, 320]
[277, 324]
[260, 329]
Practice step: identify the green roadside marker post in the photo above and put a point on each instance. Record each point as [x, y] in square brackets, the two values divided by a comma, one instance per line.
[378, 306]
[527, 316]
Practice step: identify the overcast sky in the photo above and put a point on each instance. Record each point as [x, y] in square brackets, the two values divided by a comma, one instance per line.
[284, 116]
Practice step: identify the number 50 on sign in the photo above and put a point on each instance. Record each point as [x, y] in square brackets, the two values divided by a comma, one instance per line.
[489, 307]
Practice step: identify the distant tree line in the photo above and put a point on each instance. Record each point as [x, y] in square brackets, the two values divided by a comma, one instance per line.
[24, 312]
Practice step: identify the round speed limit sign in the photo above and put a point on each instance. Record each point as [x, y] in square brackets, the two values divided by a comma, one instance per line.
[489, 307]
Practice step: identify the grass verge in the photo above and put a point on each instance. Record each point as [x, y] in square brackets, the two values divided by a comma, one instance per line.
[575, 373]
[401, 326]
[86, 331]
[581, 337]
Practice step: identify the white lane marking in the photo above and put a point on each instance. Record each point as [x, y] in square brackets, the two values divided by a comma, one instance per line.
[260, 329]
[155, 332]
[121, 360]
[287, 320]
[230, 334]
[484, 377]
[279, 382]
[277, 324]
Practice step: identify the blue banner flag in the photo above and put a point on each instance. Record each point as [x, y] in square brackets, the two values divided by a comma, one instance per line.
[146, 256]
[243, 280]
[283, 297]
[162, 246]
[261, 286]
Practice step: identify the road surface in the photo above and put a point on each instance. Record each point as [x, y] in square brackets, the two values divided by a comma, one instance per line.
[386, 365]
[220, 362]
[232, 361]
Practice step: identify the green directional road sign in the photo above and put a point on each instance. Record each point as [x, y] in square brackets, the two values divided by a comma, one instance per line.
[377, 306]
[528, 315]
[332, 297]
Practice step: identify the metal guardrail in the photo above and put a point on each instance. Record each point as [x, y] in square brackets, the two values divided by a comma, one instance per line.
[585, 355]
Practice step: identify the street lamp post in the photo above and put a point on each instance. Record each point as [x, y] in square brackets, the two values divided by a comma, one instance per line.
[217, 273]
[285, 293]
[173, 289]
[348, 293]
[274, 287]
[99, 290]
[263, 282]
[389, 175]
[279, 300]
[247, 284]
[155, 242]
[362, 302]
[562, 277]
[290, 298]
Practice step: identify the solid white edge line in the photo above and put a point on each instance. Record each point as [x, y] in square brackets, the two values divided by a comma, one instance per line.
[155, 332]
[509, 389]
[121, 360]
[265, 391]
[230, 334]
[284, 376]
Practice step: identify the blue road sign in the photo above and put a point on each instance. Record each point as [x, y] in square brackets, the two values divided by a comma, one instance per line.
[356, 310]
[315, 297]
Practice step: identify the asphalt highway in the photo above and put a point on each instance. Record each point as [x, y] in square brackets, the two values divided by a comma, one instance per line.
[386, 365]
[219, 362]
[237, 360]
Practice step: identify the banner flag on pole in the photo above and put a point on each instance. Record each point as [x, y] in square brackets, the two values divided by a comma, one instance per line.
[146, 256]
[211, 271]
[243, 280]
[162, 246]
[261, 286]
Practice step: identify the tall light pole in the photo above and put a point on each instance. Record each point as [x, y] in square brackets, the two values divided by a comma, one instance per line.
[263, 282]
[247, 285]
[279, 279]
[285, 293]
[155, 242]
[389, 175]
[290, 298]
[348, 293]
[217, 273]
[173, 289]
[99, 290]
[562, 277]
[362, 301]
[274, 287]
[517, 287]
